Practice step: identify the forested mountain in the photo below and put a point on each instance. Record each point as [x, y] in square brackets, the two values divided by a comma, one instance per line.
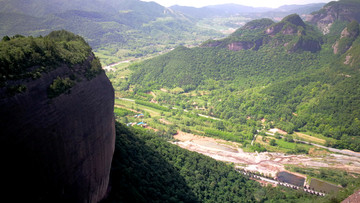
[291, 32]
[132, 26]
[285, 72]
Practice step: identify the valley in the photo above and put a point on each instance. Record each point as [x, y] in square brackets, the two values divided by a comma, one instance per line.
[142, 103]
[263, 164]
[228, 99]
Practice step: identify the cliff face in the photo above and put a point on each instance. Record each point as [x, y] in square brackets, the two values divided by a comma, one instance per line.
[58, 149]
[343, 10]
[347, 37]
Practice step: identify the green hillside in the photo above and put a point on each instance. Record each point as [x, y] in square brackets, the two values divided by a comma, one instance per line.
[294, 89]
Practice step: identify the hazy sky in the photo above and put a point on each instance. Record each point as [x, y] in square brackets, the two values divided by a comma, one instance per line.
[254, 3]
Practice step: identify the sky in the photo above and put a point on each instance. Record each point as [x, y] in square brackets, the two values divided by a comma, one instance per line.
[254, 3]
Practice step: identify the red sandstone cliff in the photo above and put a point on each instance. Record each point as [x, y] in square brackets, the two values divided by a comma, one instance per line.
[59, 149]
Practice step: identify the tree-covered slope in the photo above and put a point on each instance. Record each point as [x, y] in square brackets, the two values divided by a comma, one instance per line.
[291, 33]
[301, 90]
[147, 168]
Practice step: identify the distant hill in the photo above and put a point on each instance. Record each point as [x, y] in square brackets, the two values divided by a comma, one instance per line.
[217, 10]
[129, 13]
[227, 10]
[300, 9]
[138, 27]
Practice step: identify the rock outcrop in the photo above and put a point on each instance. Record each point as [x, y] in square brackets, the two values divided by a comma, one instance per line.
[58, 149]
[347, 37]
[237, 46]
[343, 10]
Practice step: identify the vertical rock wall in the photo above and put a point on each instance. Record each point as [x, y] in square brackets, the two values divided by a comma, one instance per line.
[59, 149]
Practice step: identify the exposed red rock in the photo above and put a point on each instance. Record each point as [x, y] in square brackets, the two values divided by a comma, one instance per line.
[237, 46]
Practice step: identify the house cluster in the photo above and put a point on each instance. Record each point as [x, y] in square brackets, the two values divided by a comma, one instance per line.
[139, 116]
[142, 124]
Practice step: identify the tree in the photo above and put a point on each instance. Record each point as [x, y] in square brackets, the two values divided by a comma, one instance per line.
[220, 125]
[272, 142]
[6, 38]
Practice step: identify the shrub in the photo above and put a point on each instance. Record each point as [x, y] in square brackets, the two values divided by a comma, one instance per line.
[60, 86]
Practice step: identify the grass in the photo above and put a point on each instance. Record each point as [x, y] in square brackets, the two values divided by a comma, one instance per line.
[316, 137]
[333, 176]
[286, 145]
[281, 145]
[319, 185]
[131, 105]
[106, 57]
[308, 138]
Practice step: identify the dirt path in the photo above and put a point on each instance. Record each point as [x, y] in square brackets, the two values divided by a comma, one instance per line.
[266, 163]
[153, 94]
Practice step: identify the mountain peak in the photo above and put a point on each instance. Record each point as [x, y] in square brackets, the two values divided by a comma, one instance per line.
[258, 24]
[295, 20]
[288, 26]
